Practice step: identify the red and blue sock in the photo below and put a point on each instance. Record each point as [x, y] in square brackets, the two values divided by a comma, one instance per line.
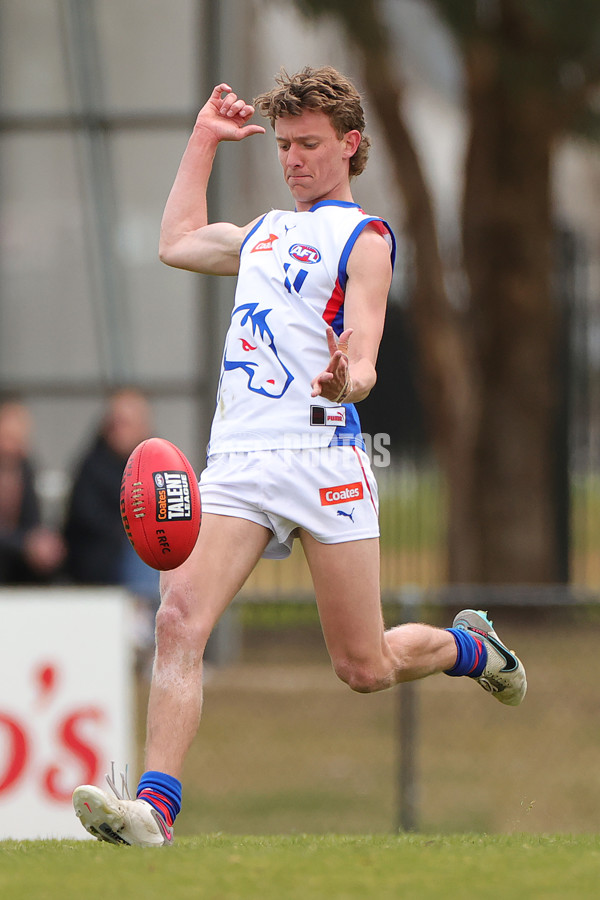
[161, 791]
[471, 654]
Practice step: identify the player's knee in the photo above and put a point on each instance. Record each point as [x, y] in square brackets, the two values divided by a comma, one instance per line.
[361, 677]
[177, 627]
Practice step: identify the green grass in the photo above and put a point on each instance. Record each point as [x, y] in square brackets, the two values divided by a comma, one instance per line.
[412, 509]
[291, 770]
[308, 867]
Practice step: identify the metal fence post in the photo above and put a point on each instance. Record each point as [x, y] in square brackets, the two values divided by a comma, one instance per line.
[407, 717]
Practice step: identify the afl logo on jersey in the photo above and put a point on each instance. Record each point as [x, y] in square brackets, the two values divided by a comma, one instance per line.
[305, 254]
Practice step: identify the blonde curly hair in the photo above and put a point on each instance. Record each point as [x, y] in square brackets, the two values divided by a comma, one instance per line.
[319, 89]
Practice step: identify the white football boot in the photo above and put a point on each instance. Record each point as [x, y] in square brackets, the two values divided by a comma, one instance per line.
[504, 673]
[119, 819]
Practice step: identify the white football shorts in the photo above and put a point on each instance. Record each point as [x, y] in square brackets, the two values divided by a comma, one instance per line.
[330, 492]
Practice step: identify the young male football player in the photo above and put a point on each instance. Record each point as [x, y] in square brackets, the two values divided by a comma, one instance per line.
[285, 454]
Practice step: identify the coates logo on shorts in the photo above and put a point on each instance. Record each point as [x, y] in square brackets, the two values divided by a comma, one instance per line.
[173, 502]
[305, 254]
[342, 493]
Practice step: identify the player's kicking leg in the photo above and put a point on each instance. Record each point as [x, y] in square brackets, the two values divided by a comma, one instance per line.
[346, 579]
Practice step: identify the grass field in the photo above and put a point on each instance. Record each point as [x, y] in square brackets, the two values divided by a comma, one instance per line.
[290, 788]
[308, 867]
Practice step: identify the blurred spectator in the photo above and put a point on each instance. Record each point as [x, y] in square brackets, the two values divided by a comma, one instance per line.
[99, 552]
[29, 551]
[98, 549]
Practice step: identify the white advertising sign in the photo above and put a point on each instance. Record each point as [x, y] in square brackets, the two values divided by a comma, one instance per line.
[65, 703]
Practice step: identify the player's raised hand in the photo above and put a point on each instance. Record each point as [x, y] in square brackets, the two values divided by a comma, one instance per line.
[334, 383]
[227, 117]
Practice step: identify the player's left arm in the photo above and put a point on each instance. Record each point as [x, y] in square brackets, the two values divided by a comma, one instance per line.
[351, 373]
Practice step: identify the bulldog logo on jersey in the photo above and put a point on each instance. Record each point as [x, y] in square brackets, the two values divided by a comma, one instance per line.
[251, 347]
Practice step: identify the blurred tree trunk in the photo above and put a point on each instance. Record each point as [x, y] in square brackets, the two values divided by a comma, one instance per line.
[448, 384]
[507, 240]
[489, 372]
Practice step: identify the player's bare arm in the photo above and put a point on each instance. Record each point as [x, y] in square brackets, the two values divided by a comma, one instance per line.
[187, 240]
[351, 372]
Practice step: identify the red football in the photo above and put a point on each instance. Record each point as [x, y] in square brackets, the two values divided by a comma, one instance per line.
[160, 504]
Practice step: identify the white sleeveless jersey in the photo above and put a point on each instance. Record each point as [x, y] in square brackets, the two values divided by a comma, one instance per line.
[291, 285]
